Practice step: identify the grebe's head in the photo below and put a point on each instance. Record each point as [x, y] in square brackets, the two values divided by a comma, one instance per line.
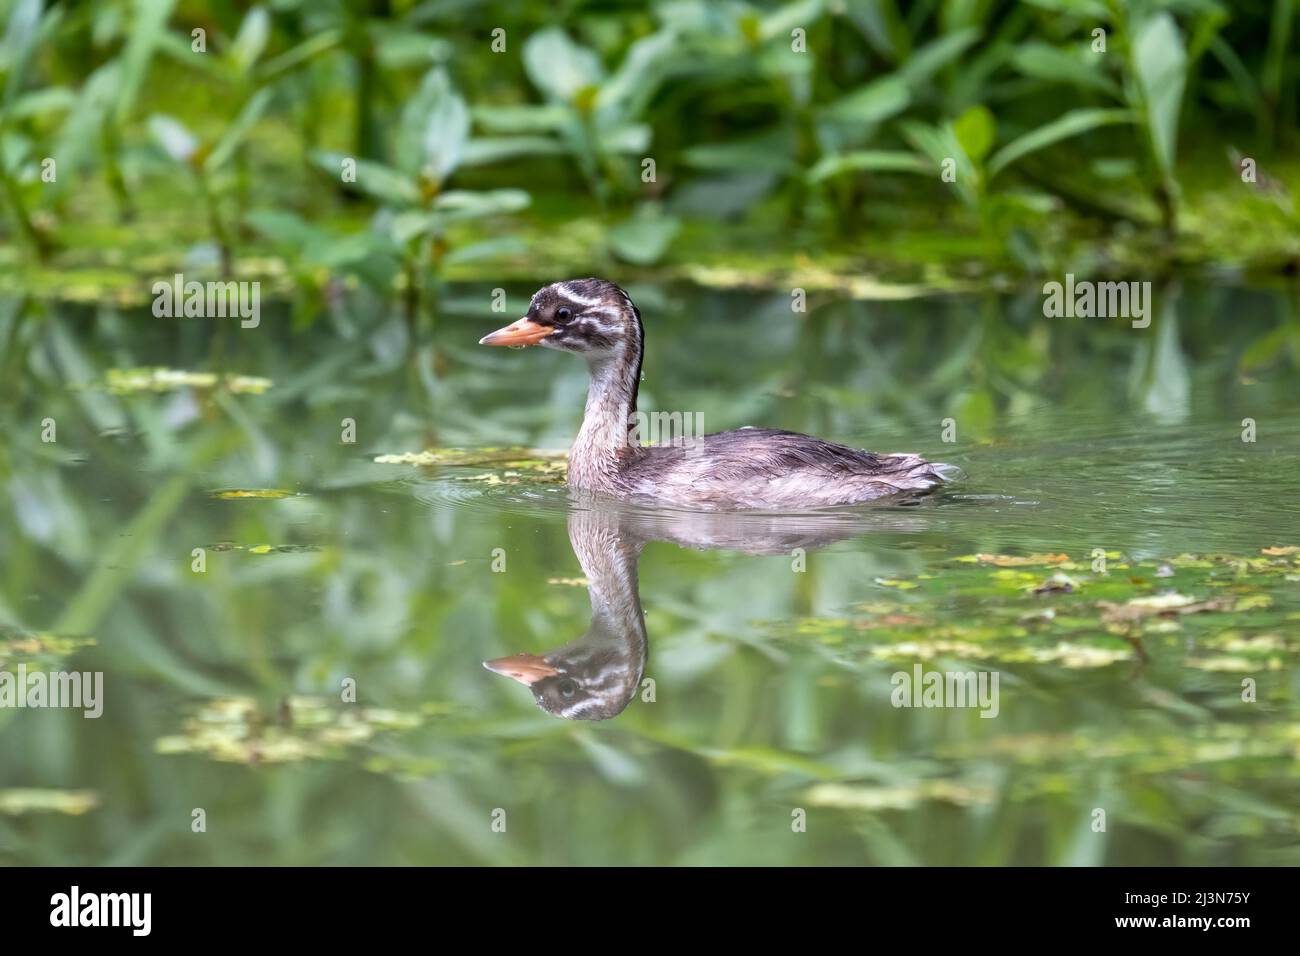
[590, 679]
[591, 316]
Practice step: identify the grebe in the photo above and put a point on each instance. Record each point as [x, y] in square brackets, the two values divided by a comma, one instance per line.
[748, 468]
[597, 675]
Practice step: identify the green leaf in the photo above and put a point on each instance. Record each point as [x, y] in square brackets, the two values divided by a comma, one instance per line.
[1279, 37]
[487, 249]
[479, 152]
[316, 45]
[935, 55]
[1265, 350]
[244, 122]
[1063, 127]
[1159, 62]
[52, 99]
[462, 204]
[976, 131]
[434, 129]
[558, 67]
[939, 144]
[644, 238]
[879, 21]
[282, 227]
[412, 224]
[627, 91]
[632, 138]
[1090, 9]
[521, 119]
[398, 47]
[177, 141]
[19, 42]
[869, 160]
[251, 39]
[782, 20]
[372, 178]
[872, 103]
[79, 136]
[1042, 61]
[148, 27]
[1240, 73]
[767, 152]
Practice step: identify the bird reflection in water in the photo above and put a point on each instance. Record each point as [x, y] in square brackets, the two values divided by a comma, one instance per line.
[596, 676]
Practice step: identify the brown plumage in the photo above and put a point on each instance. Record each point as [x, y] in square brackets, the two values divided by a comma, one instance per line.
[747, 468]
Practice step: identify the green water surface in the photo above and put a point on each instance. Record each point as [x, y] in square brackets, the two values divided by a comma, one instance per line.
[1116, 553]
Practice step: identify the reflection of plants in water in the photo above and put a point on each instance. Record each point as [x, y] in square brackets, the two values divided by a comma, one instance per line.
[39, 650]
[1049, 609]
[301, 728]
[361, 580]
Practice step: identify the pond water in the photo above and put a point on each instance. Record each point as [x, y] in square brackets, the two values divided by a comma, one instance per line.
[241, 573]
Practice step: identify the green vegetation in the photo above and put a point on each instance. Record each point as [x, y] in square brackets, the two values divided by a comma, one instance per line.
[325, 561]
[397, 144]
[235, 521]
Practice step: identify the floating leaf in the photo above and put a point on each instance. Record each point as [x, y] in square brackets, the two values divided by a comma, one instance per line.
[1168, 604]
[495, 465]
[38, 647]
[237, 730]
[231, 493]
[1018, 561]
[899, 797]
[896, 583]
[71, 802]
[1057, 583]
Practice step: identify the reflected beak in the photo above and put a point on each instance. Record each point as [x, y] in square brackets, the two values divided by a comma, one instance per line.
[528, 669]
[523, 332]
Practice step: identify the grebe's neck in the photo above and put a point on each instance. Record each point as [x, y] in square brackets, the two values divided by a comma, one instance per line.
[608, 554]
[615, 643]
[610, 416]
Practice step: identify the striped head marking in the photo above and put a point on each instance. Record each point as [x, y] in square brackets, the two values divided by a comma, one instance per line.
[581, 315]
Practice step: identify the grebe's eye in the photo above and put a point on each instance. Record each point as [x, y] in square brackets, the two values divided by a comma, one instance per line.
[563, 314]
[568, 688]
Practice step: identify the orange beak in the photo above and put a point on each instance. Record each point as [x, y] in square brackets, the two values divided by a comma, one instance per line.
[523, 332]
[528, 669]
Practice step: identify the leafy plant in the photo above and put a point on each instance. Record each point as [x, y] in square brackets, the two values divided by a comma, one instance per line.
[418, 210]
[208, 162]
